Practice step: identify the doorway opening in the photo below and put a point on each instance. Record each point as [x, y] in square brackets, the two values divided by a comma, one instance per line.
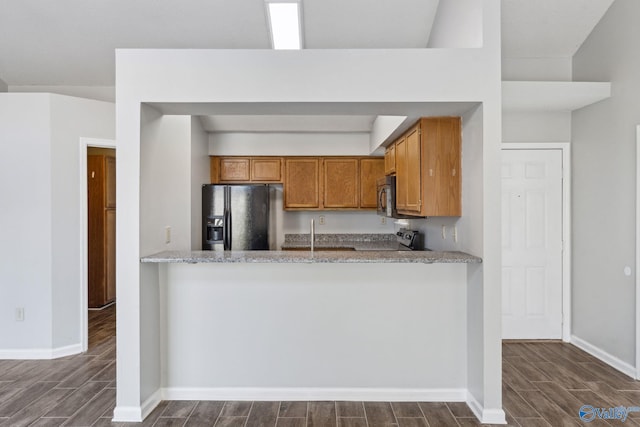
[98, 221]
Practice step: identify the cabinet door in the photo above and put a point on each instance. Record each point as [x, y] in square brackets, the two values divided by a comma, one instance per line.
[302, 183]
[402, 177]
[370, 171]
[341, 177]
[266, 170]
[390, 160]
[451, 134]
[442, 192]
[414, 171]
[234, 169]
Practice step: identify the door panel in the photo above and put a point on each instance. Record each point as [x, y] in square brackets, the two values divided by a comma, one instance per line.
[249, 217]
[532, 244]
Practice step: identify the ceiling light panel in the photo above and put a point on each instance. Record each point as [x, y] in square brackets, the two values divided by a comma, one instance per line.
[284, 22]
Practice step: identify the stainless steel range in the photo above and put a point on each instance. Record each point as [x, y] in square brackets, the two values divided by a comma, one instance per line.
[409, 240]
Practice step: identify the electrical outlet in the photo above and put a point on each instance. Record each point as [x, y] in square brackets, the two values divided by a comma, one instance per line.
[321, 220]
[455, 234]
[167, 234]
[444, 232]
[20, 314]
[383, 220]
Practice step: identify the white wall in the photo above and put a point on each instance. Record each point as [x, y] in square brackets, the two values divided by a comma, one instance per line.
[536, 126]
[165, 165]
[26, 245]
[604, 185]
[98, 93]
[40, 143]
[200, 174]
[71, 119]
[536, 69]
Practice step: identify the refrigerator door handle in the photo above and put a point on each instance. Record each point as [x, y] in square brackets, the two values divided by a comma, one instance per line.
[227, 218]
[226, 236]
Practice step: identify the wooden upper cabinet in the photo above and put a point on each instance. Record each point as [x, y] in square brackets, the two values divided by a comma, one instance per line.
[234, 169]
[341, 183]
[302, 183]
[370, 171]
[413, 166]
[402, 177]
[266, 169]
[248, 170]
[428, 161]
[390, 160]
[310, 183]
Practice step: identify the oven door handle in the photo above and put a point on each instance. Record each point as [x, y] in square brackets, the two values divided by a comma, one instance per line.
[382, 199]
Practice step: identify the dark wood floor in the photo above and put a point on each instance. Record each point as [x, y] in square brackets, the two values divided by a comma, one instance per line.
[544, 384]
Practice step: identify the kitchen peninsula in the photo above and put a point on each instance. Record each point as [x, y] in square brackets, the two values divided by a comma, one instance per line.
[292, 325]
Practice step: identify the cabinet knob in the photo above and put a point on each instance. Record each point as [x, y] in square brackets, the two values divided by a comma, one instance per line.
[430, 172]
[453, 172]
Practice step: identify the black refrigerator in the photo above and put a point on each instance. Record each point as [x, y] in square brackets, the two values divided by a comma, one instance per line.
[235, 217]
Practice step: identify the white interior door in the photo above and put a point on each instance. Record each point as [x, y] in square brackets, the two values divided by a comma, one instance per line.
[531, 244]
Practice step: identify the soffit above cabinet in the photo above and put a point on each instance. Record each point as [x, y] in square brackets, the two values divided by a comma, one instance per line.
[521, 96]
[287, 123]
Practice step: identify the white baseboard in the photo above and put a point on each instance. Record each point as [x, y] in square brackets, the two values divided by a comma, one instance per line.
[295, 393]
[486, 416]
[607, 358]
[135, 414]
[127, 414]
[66, 351]
[151, 403]
[41, 353]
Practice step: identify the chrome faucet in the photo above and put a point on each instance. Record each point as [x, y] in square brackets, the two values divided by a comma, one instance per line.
[312, 236]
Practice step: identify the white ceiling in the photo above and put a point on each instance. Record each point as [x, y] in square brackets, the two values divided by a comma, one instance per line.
[72, 42]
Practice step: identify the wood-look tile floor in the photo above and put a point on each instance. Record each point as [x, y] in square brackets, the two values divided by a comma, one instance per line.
[544, 384]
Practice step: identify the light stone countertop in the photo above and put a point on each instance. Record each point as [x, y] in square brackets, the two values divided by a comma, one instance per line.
[323, 256]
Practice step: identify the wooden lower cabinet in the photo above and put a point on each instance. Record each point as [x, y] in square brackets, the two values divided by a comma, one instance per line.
[302, 183]
[101, 181]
